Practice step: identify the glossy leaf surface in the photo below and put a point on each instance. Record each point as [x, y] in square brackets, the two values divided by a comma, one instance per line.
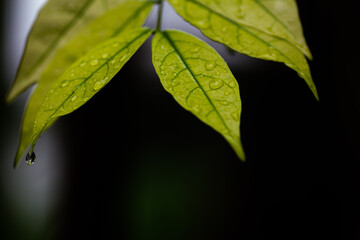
[87, 76]
[216, 20]
[56, 23]
[200, 81]
[126, 16]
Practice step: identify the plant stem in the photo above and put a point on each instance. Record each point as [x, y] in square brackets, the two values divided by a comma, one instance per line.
[161, 5]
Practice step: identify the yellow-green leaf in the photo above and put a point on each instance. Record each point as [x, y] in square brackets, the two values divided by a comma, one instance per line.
[200, 81]
[129, 15]
[217, 21]
[87, 76]
[276, 17]
[57, 22]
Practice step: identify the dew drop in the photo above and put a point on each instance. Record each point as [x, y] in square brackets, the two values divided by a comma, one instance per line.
[210, 65]
[65, 83]
[175, 83]
[203, 24]
[123, 58]
[73, 98]
[30, 158]
[235, 116]
[232, 84]
[82, 64]
[272, 52]
[225, 103]
[115, 44]
[240, 13]
[99, 84]
[196, 108]
[94, 62]
[194, 50]
[216, 84]
[105, 55]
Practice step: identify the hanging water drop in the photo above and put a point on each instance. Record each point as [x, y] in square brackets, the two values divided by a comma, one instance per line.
[30, 158]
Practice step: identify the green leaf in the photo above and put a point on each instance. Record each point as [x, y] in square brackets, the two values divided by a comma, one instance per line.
[57, 22]
[200, 81]
[217, 21]
[276, 17]
[86, 77]
[124, 17]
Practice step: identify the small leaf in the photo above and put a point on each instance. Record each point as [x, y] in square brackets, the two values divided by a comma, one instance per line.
[57, 22]
[200, 81]
[218, 24]
[86, 77]
[126, 16]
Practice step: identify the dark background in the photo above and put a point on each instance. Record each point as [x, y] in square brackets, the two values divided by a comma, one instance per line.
[138, 166]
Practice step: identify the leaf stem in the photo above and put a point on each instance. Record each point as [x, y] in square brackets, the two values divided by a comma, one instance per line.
[158, 25]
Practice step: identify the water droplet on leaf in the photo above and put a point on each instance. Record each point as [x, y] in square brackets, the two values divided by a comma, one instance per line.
[65, 83]
[94, 62]
[197, 109]
[216, 84]
[235, 116]
[105, 55]
[123, 58]
[240, 13]
[194, 50]
[30, 158]
[99, 84]
[210, 65]
[232, 84]
[73, 98]
[203, 24]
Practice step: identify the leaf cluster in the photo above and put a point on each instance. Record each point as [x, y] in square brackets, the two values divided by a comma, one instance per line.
[76, 47]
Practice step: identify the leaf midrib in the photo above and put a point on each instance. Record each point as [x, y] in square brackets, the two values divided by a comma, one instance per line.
[59, 37]
[242, 24]
[85, 80]
[274, 16]
[249, 32]
[173, 45]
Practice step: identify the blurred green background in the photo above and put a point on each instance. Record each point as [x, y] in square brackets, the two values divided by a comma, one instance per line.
[132, 164]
